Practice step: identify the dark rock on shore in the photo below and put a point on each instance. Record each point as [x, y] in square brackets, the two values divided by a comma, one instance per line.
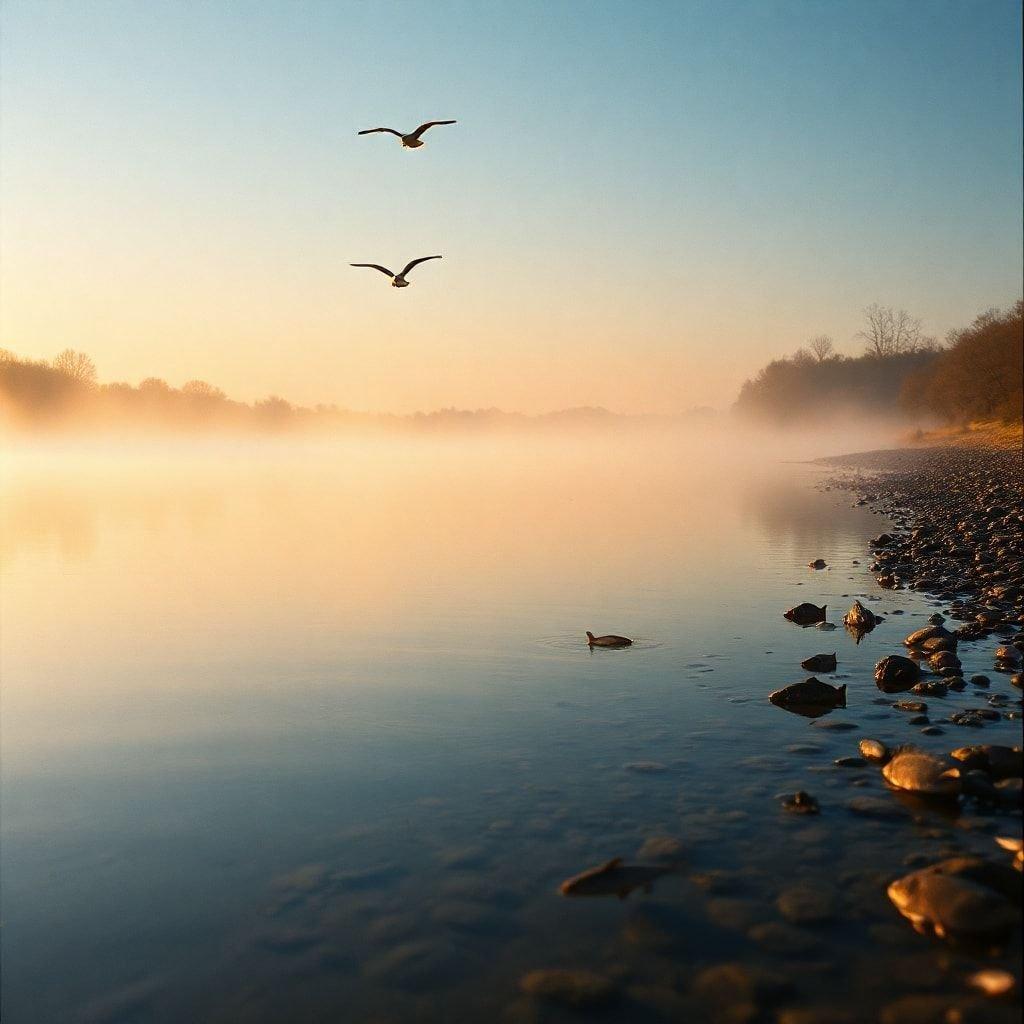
[964, 541]
[895, 673]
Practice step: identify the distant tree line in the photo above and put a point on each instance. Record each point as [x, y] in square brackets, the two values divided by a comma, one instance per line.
[63, 395]
[901, 372]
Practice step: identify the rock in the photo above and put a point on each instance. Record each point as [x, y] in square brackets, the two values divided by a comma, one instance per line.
[661, 850]
[809, 695]
[931, 688]
[894, 673]
[806, 614]
[834, 726]
[851, 762]
[576, 988]
[960, 899]
[801, 803]
[918, 772]
[819, 663]
[859, 620]
[807, 904]
[919, 636]
[818, 563]
[980, 680]
[993, 982]
[873, 751]
[914, 706]
[1010, 791]
[943, 659]
[998, 761]
[737, 993]
[918, 1009]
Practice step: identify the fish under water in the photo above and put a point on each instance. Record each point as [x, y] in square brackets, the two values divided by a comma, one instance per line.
[613, 878]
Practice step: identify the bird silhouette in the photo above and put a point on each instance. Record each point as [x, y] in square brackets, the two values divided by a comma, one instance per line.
[397, 280]
[412, 140]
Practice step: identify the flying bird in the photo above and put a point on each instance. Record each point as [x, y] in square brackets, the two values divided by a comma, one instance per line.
[397, 280]
[412, 140]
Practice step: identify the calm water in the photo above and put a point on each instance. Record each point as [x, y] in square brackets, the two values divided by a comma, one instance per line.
[312, 733]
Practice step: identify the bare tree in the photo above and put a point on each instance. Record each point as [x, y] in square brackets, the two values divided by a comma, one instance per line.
[76, 365]
[890, 332]
[821, 347]
[200, 389]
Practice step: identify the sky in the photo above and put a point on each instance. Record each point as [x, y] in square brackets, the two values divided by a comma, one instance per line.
[641, 204]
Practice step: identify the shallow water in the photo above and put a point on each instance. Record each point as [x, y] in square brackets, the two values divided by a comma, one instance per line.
[313, 733]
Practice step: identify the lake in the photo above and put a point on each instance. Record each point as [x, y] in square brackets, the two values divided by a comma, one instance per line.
[311, 731]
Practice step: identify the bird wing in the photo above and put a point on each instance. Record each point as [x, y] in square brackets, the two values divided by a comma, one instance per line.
[370, 131]
[376, 266]
[429, 124]
[412, 263]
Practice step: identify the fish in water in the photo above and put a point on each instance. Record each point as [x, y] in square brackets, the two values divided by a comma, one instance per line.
[611, 640]
[613, 878]
[806, 614]
[820, 663]
[811, 693]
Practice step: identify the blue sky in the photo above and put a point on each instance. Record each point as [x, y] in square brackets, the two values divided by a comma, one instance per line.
[641, 203]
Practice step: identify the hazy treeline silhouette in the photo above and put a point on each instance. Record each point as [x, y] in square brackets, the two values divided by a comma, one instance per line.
[901, 373]
[64, 395]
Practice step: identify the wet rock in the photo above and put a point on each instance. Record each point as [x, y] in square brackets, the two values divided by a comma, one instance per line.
[819, 663]
[993, 982]
[575, 988]
[960, 899]
[810, 695]
[918, 1009]
[739, 993]
[417, 965]
[931, 688]
[801, 803]
[818, 563]
[1010, 792]
[918, 772]
[834, 725]
[734, 913]
[859, 620]
[807, 904]
[943, 659]
[661, 850]
[894, 673]
[998, 761]
[851, 762]
[806, 614]
[873, 751]
[919, 636]
[913, 706]
[980, 680]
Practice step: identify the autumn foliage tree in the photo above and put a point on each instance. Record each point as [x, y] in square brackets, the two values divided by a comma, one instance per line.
[978, 376]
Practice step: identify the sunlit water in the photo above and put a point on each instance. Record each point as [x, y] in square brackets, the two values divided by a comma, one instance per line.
[312, 733]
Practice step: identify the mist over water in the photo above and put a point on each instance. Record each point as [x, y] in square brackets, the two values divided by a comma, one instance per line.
[294, 730]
